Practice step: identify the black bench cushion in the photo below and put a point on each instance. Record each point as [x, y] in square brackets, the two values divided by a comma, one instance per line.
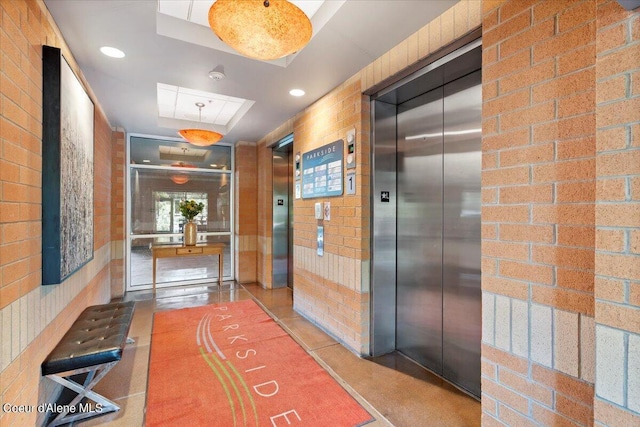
[97, 336]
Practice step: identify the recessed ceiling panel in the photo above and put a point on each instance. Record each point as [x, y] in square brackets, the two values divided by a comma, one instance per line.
[309, 7]
[183, 106]
[200, 12]
[178, 8]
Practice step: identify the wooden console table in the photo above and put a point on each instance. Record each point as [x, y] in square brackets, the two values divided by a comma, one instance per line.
[174, 251]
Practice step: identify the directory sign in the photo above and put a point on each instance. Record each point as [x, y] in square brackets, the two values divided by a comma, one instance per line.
[322, 171]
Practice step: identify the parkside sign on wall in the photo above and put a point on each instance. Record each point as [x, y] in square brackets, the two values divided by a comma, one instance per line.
[322, 171]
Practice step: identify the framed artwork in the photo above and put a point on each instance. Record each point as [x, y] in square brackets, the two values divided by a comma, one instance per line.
[67, 170]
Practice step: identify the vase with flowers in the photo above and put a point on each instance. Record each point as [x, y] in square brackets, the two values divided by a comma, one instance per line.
[189, 210]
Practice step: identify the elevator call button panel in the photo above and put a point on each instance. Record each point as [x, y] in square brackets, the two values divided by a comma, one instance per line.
[297, 172]
[351, 149]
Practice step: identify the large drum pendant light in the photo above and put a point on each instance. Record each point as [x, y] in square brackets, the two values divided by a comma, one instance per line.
[261, 29]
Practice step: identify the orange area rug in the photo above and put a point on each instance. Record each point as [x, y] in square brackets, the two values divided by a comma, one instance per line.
[231, 365]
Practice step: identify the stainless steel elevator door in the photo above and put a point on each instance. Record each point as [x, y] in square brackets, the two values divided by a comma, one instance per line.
[282, 233]
[438, 322]
[419, 230]
[462, 318]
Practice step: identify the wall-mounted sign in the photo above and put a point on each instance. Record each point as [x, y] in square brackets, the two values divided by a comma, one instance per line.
[351, 182]
[322, 171]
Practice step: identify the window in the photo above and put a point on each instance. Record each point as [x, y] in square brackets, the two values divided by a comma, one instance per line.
[163, 172]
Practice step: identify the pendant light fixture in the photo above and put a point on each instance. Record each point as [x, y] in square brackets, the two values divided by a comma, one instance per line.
[200, 137]
[261, 29]
[181, 177]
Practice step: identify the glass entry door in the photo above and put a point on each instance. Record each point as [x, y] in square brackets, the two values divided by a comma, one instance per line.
[161, 174]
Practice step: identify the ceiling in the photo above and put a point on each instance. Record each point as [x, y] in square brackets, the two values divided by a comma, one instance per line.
[166, 53]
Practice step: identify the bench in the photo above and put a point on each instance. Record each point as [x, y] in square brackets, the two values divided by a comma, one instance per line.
[92, 346]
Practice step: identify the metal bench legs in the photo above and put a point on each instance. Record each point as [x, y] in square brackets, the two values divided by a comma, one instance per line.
[73, 411]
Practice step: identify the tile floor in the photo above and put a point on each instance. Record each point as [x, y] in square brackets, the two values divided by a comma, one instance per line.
[394, 389]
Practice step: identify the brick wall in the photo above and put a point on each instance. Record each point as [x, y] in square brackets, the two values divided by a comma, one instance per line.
[558, 213]
[118, 200]
[32, 317]
[617, 195]
[328, 289]
[538, 236]
[246, 212]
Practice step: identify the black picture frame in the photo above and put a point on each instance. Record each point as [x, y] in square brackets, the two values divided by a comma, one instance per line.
[68, 129]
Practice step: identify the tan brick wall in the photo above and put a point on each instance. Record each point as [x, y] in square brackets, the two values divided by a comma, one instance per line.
[246, 211]
[538, 234]
[323, 289]
[102, 180]
[559, 163]
[118, 214]
[617, 195]
[322, 293]
[32, 317]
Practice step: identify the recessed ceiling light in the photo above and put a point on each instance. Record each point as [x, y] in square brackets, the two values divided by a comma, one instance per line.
[112, 52]
[296, 92]
[146, 161]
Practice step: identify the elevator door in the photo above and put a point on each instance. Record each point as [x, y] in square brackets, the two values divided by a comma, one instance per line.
[438, 318]
[282, 234]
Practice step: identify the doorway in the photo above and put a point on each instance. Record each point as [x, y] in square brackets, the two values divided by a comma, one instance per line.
[282, 232]
[426, 238]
